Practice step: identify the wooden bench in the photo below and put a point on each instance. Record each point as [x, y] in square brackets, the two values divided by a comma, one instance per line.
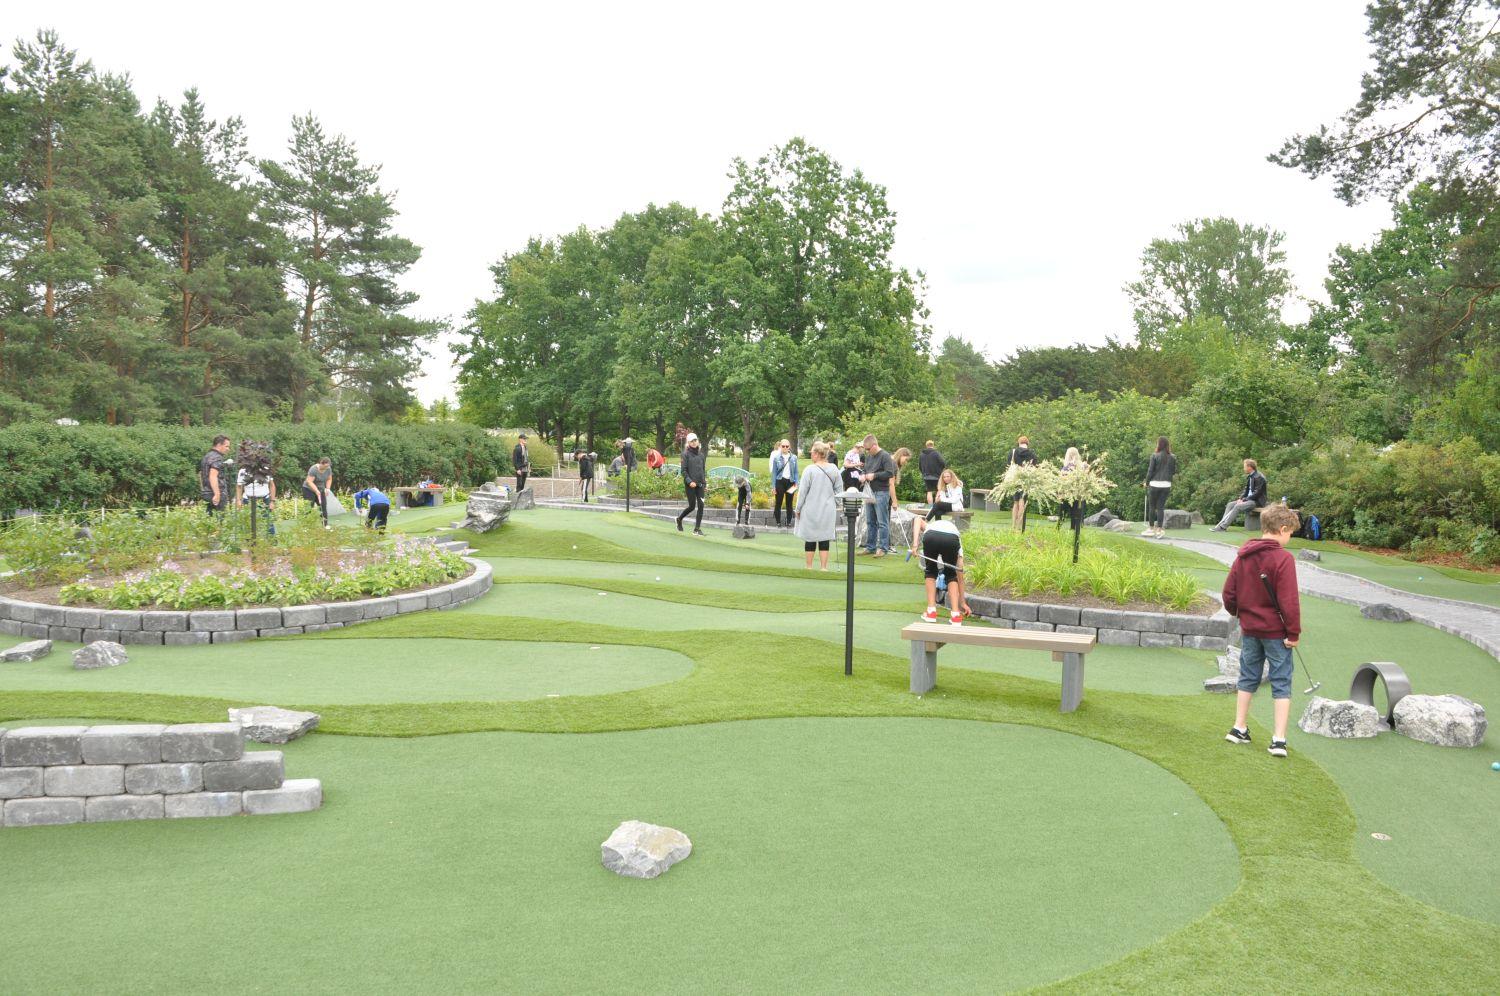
[410, 497]
[979, 499]
[961, 517]
[1068, 648]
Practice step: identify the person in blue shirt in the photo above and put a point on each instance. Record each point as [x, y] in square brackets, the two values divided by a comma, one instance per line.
[380, 507]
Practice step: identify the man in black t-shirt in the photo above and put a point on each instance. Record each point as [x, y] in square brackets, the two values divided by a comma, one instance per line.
[211, 476]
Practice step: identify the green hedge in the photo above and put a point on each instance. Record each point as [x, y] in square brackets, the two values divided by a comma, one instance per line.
[47, 467]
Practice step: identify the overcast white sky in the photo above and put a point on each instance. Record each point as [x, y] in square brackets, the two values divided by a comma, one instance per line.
[1030, 153]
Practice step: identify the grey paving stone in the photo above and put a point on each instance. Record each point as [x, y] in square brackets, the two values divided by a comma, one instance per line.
[1204, 642]
[20, 783]
[142, 637]
[140, 744]
[203, 742]
[37, 631]
[1083, 630]
[50, 615]
[298, 795]
[11, 627]
[1067, 615]
[982, 605]
[162, 622]
[439, 597]
[304, 615]
[42, 812]
[1018, 610]
[378, 608]
[211, 620]
[203, 804]
[1036, 627]
[1119, 638]
[191, 639]
[65, 634]
[1161, 639]
[342, 612]
[257, 619]
[11, 608]
[164, 779]
[42, 745]
[100, 636]
[1144, 622]
[1102, 618]
[1002, 623]
[322, 627]
[119, 621]
[282, 631]
[1186, 625]
[261, 769]
[107, 808]
[233, 636]
[411, 603]
[84, 779]
[81, 618]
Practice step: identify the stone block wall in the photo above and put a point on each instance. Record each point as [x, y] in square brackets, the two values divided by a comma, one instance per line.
[94, 774]
[1113, 627]
[78, 624]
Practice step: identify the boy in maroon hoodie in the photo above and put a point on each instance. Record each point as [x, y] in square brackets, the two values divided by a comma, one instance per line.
[1269, 627]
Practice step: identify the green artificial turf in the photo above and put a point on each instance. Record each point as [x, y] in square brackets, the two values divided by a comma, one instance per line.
[829, 854]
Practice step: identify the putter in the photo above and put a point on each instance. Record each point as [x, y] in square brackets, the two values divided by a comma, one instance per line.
[1312, 686]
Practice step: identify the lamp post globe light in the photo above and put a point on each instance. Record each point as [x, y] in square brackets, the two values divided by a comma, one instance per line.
[852, 500]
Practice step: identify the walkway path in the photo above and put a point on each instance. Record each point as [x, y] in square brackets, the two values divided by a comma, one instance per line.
[1479, 624]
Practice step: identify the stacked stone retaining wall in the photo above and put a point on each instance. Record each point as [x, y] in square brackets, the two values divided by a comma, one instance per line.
[96, 774]
[1113, 627]
[83, 624]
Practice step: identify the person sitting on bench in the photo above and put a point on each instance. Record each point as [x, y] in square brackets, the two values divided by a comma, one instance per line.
[942, 553]
[949, 495]
[380, 507]
[1252, 496]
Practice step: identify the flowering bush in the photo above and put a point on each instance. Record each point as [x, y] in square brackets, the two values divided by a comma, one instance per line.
[1039, 563]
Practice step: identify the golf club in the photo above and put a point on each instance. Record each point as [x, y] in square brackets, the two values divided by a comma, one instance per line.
[1313, 686]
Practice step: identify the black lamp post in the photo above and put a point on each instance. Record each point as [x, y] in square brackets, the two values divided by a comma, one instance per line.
[852, 500]
[627, 450]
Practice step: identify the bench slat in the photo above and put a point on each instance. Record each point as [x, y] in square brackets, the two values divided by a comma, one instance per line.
[1015, 639]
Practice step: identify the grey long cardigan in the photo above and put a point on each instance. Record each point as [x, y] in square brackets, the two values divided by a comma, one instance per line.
[817, 503]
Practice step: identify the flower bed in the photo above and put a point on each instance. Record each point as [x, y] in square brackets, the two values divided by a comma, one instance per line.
[1038, 566]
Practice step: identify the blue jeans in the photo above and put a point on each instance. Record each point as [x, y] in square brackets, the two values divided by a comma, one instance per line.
[1255, 651]
[878, 531]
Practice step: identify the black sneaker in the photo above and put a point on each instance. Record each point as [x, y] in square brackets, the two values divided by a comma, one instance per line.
[1277, 748]
[679, 525]
[1236, 736]
[697, 532]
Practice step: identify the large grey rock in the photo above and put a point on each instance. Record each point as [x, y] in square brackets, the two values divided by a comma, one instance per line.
[1340, 719]
[643, 850]
[1220, 683]
[525, 499]
[1100, 518]
[1385, 612]
[1196, 518]
[744, 532]
[1176, 518]
[32, 650]
[1117, 526]
[1445, 720]
[99, 654]
[1312, 556]
[272, 724]
[487, 509]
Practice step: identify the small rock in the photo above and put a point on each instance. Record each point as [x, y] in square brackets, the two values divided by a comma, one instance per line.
[1196, 518]
[1176, 518]
[487, 508]
[100, 653]
[1220, 683]
[1385, 612]
[1340, 719]
[1100, 518]
[525, 499]
[1117, 526]
[744, 532]
[272, 724]
[643, 850]
[1444, 720]
[1310, 555]
[32, 650]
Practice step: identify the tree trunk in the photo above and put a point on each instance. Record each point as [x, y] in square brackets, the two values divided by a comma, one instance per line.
[661, 435]
[747, 437]
[796, 421]
[49, 296]
[590, 436]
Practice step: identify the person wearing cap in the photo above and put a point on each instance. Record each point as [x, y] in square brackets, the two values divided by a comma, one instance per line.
[521, 460]
[586, 473]
[694, 482]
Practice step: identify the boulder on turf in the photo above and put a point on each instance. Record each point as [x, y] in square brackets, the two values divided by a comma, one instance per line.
[1222, 684]
[1340, 719]
[1385, 612]
[1229, 660]
[524, 499]
[1196, 518]
[643, 850]
[1444, 720]
[1176, 518]
[1309, 555]
[272, 724]
[743, 531]
[99, 654]
[31, 650]
[1117, 526]
[1100, 518]
[487, 509]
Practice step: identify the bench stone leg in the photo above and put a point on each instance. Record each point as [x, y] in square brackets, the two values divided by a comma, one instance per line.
[923, 668]
[1072, 681]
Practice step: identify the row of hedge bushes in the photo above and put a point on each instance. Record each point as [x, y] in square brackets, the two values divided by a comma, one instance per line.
[48, 467]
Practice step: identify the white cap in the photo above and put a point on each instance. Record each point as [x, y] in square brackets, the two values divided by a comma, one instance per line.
[692, 437]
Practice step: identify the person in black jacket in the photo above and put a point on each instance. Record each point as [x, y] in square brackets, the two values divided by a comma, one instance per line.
[1252, 496]
[694, 482]
[931, 463]
[521, 460]
[585, 474]
[1022, 454]
[1159, 473]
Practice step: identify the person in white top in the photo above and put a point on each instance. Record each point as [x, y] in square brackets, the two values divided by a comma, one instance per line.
[950, 495]
[246, 489]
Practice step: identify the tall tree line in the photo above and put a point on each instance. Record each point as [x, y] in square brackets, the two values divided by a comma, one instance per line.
[774, 316]
[152, 271]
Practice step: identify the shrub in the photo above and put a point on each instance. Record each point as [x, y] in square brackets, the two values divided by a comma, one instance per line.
[1040, 563]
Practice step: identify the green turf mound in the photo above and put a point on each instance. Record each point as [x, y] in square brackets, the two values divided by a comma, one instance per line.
[834, 854]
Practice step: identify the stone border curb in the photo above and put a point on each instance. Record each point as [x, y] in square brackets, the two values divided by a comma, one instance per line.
[77, 624]
[1113, 627]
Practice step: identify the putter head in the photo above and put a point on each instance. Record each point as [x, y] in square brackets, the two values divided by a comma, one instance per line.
[1313, 688]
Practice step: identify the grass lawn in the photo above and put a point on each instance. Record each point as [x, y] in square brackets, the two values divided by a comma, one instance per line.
[848, 835]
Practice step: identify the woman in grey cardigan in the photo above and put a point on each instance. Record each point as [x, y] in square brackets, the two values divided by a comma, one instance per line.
[818, 505]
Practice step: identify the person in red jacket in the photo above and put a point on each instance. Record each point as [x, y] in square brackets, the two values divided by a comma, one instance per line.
[1270, 625]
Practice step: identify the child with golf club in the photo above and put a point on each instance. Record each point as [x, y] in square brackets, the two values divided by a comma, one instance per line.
[941, 550]
[1261, 591]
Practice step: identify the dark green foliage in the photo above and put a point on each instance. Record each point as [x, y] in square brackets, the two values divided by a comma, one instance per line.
[47, 467]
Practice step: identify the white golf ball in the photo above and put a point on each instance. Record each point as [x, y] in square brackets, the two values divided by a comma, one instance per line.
[658, 579]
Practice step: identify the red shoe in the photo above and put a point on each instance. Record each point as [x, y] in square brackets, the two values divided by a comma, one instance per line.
[956, 619]
[930, 615]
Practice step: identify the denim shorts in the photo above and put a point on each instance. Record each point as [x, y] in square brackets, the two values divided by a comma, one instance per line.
[1255, 653]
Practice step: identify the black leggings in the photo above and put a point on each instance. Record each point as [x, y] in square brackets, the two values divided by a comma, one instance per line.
[1156, 506]
[808, 546]
[379, 513]
[939, 509]
[317, 500]
[940, 545]
[782, 497]
[694, 500]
